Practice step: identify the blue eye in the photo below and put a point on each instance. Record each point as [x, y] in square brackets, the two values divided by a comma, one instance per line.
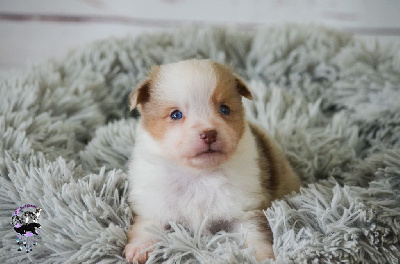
[176, 115]
[223, 109]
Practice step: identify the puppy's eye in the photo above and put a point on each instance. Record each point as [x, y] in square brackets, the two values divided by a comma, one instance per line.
[176, 115]
[223, 109]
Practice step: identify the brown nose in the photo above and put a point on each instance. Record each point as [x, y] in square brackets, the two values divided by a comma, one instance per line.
[209, 136]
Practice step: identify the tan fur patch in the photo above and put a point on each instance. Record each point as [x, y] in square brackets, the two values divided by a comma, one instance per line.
[277, 175]
[155, 111]
[227, 93]
[156, 117]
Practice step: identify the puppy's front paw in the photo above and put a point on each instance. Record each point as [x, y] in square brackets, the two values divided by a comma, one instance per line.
[138, 252]
[263, 249]
[264, 252]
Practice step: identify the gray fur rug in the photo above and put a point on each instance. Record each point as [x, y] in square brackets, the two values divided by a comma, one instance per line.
[331, 102]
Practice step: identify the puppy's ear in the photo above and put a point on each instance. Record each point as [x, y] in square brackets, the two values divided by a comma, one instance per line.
[243, 89]
[141, 95]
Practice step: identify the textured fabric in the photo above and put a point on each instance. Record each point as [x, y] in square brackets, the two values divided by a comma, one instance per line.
[332, 104]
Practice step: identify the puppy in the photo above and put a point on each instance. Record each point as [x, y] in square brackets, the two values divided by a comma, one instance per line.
[196, 157]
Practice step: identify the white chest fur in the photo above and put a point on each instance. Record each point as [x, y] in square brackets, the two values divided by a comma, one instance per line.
[165, 192]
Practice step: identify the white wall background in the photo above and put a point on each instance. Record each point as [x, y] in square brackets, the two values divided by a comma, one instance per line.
[34, 30]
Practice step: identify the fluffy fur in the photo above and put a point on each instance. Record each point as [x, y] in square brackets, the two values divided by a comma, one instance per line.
[204, 165]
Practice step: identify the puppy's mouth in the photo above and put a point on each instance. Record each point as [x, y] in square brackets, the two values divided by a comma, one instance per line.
[208, 158]
[207, 152]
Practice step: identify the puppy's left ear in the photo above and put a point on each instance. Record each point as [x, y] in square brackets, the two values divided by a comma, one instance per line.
[140, 95]
[243, 89]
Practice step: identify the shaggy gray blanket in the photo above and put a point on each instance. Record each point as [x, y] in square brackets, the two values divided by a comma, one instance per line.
[331, 102]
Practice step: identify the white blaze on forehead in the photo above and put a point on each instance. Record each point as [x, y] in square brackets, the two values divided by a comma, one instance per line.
[189, 84]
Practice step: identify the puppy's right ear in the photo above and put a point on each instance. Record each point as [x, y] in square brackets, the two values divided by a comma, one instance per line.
[140, 95]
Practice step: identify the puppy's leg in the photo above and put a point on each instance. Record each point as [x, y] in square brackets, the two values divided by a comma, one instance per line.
[139, 240]
[259, 234]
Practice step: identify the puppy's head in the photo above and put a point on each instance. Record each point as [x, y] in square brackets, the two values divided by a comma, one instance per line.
[193, 110]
